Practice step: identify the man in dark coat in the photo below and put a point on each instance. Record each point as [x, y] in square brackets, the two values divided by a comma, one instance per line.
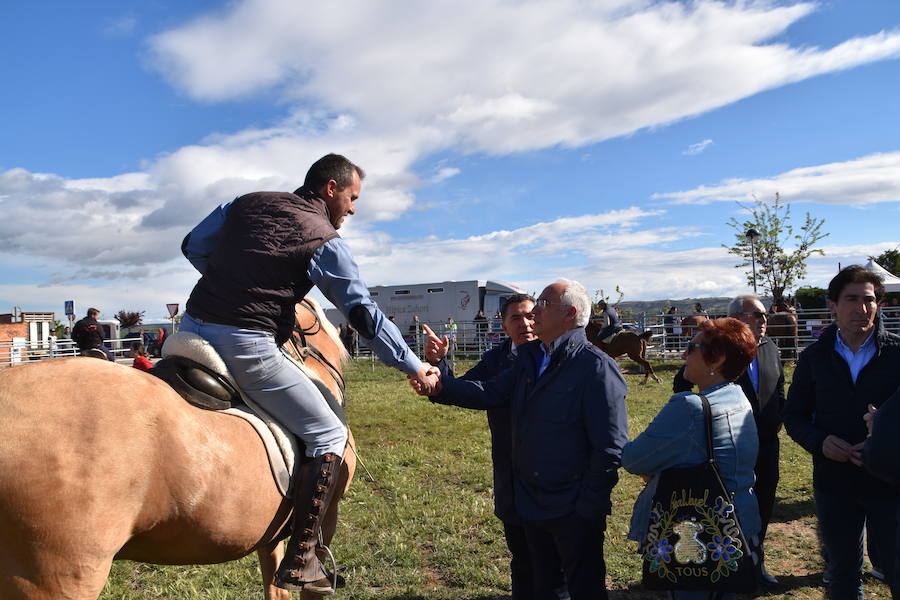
[517, 321]
[88, 335]
[569, 423]
[763, 384]
[854, 363]
[881, 456]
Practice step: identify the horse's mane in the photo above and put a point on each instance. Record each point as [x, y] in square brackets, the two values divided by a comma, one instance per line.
[328, 327]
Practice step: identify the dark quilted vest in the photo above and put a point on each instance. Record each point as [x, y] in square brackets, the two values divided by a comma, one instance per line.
[257, 272]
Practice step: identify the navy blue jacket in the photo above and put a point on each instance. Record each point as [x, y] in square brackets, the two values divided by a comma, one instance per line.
[568, 426]
[493, 362]
[823, 400]
[881, 454]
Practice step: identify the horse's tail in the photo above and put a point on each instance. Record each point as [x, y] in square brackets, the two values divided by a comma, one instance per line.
[646, 335]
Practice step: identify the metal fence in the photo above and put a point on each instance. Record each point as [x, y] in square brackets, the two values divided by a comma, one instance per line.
[20, 353]
[668, 341]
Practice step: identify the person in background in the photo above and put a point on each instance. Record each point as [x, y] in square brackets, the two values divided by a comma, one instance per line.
[88, 334]
[669, 322]
[853, 364]
[611, 318]
[717, 355]
[139, 354]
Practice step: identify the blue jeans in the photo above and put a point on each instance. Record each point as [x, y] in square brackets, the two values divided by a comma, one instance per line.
[273, 381]
[842, 520]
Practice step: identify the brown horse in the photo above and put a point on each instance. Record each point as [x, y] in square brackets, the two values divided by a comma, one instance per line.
[100, 462]
[627, 343]
[782, 328]
[689, 325]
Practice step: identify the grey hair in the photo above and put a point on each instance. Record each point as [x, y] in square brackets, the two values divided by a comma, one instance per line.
[575, 295]
[736, 306]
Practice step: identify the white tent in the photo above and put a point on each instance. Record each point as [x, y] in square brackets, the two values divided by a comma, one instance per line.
[891, 281]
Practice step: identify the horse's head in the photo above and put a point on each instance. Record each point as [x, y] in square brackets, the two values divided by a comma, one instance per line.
[317, 347]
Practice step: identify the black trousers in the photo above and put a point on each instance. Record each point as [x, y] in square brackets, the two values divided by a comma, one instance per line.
[570, 544]
[766, 480]
[520, 564]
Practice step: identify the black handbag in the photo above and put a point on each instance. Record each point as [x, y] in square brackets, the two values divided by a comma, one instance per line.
[695, 541]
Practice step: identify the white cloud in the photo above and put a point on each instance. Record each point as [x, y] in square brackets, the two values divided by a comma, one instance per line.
[867, 180]
[698, 147]
[498, 77]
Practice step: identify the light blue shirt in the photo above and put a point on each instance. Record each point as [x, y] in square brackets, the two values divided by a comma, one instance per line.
[859, 359]
[333, 270]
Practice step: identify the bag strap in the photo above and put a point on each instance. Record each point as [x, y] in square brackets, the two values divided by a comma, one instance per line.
[707, 417]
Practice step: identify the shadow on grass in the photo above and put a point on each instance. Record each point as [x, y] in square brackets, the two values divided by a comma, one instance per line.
[794, 582]
[785, 512]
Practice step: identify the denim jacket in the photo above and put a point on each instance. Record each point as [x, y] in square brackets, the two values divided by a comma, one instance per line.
[677, 438]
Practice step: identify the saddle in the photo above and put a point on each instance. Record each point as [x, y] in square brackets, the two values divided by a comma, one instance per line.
[193, 368]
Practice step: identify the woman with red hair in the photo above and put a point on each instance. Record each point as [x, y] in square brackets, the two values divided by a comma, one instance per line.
[716, 356]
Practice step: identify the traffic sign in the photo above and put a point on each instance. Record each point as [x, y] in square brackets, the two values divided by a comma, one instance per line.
[173, 309]
[70, 307]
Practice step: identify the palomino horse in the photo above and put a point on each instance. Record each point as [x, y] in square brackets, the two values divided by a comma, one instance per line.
[625, 342]
[782, 328]
[100, 462]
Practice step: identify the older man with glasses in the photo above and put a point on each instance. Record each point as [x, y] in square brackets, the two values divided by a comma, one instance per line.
[763, 384]
[569, 424]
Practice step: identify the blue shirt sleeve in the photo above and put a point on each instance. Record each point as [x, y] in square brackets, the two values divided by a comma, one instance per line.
[199, 244]
[335, 273]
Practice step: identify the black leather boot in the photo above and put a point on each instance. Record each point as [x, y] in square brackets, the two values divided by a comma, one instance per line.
[301, 569]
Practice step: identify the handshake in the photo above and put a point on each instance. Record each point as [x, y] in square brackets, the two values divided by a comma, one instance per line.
[427, 382]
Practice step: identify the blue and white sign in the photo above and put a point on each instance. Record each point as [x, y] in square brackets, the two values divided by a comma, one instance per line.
[70, 307]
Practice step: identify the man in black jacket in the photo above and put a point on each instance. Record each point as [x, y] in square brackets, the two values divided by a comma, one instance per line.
[881, 456]
[763, 384]
[88, 334]
[517, 320]
[854, 363]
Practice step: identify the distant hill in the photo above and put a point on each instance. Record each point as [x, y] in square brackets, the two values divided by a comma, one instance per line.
[714, 306]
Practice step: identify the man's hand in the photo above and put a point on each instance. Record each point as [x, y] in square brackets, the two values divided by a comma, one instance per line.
[869, 416]
[839, 450]
[427, 382]
[435, 347]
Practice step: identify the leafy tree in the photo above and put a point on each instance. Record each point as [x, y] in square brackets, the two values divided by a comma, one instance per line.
[811, 297]
[890, 260]
[129, 319]
[781, 254]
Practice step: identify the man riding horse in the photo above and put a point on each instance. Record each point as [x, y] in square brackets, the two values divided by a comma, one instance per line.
[258, 256]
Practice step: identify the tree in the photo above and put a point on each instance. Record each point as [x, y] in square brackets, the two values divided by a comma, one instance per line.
[778, 265]
[890, 260]
[129, 319]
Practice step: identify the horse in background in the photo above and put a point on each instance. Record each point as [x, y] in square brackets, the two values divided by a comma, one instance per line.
[624, 343]
[690, 324]
[100, 462]
[782, 327]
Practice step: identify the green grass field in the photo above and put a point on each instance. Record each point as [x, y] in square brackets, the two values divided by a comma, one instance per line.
[418, 521]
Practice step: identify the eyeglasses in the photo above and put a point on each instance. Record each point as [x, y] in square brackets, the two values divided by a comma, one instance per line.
[756, 313]
[544, 303]
[691, 346]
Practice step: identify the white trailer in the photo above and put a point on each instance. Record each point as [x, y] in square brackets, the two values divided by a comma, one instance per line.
[434, 302]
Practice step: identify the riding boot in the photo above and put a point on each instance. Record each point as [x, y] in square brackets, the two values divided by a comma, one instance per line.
[301, 569]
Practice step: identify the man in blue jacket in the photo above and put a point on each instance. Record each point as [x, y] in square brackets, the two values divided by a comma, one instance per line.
[517, 321]
[854, 363]
[568, 424]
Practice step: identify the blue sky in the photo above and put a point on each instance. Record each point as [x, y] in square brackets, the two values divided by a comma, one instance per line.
[605, 141]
